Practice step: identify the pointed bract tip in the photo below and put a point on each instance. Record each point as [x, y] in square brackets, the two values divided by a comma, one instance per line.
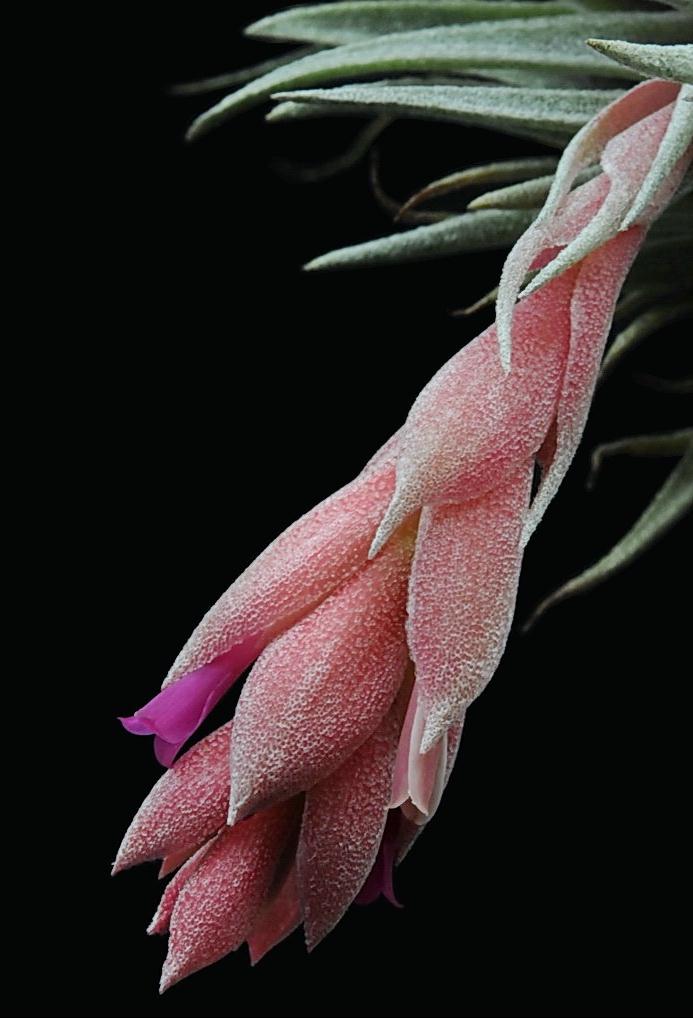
[165, 983]
[395, 515]
[172, 972]
[237, 811]
[122, 860]
[432, 734]
[192, 134]
[379, 542]
[311, 939]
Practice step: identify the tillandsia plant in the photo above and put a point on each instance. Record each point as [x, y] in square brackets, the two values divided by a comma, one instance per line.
[374, 621]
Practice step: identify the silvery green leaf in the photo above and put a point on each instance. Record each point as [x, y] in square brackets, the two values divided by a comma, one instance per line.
[641, 328]
[678, 137]
[222, 82]
[672, 62]
[336, 24]
[287, 111]
[528, 194]
[670, 443]
[673, 500]
[544, 44]
[472, 231]
[473, 176]
[482, 302]
[559, 112]
[293, 111]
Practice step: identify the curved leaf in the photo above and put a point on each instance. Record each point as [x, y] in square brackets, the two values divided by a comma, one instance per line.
[644, 326]
[472, 231]
[472, 176]
[336, 24]
[221, 82]
[673, 500]
[545, 44]
[672, 443]
[529, 194]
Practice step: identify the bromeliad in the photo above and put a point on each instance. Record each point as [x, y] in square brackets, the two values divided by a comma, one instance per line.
[376, 619]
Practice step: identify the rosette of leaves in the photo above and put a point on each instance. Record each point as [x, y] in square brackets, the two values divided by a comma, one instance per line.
[534, 70]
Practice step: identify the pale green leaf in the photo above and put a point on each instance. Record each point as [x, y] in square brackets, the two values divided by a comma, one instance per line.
[670, 443]
[222, 82]
[545, 44]
[555, 111]
[528, 194]
[673, 500]
[336, 24]
[641, 328]
[672, 62]
[472, 231]
[292, 111]
[482, 302]
[473, 176]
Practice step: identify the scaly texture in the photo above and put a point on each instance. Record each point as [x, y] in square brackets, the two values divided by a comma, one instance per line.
[321, 689]
[187, 804]
[623, 130]
[162, 916]
[343, 823]
[296, 571]
[218, 905]
[293, 575]
[279, 917]
[599, 281]
[538, 44]
[473, 425]
[462, 598]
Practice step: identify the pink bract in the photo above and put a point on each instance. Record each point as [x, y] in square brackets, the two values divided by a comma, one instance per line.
[377, 618]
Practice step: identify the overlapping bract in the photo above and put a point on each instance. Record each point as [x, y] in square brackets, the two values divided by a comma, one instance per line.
[378, 617]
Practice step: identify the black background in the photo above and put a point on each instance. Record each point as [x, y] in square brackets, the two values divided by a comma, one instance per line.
[218, 394]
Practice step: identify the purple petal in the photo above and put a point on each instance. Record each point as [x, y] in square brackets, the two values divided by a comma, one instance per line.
[178, 710]
[380, 878]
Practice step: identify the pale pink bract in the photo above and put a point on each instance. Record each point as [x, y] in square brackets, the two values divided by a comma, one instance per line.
[377, 618]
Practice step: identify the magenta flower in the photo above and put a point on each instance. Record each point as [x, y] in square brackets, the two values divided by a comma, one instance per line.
[378, 617]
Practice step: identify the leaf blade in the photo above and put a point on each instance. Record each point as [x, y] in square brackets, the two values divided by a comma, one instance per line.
[673, 500]
[337, 24]
[554, 44]
[672, 62]
[552, 111]
[473, 231]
